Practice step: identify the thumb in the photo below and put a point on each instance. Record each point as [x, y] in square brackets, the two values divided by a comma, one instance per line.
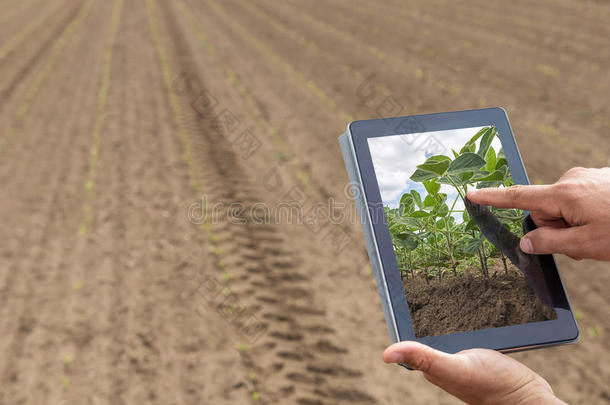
[435, 364]
[547, 240]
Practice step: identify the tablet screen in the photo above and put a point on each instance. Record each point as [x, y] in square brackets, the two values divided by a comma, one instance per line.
[460, 264]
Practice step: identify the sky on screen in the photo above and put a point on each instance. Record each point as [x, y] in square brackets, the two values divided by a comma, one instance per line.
[395, 159]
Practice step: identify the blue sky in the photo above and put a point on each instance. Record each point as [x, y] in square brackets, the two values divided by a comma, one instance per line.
[395, 159]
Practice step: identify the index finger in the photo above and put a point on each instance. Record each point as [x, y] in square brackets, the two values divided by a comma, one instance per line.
[531, 198]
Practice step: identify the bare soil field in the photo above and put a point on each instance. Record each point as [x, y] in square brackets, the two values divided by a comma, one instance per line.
[471, 302]
[124, 124]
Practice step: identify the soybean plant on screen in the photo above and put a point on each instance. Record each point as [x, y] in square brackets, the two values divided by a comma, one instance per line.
[431, 237]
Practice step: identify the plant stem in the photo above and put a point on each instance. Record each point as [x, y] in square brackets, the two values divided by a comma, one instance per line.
[504, 262]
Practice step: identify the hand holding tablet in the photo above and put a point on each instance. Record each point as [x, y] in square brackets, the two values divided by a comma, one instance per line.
[450, 272]
[476, 376]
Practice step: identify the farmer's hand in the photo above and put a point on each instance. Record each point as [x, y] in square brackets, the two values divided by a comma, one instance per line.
[477, 376]
[572, 215]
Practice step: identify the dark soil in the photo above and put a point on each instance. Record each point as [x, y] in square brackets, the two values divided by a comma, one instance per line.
[471, 302]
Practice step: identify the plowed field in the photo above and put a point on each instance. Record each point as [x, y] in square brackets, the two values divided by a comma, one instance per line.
[123, 122]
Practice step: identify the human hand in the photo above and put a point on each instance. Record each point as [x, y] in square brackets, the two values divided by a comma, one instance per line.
[476, 376]
[572, 215]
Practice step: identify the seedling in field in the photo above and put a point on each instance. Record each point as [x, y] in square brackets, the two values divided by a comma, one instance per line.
[594, 331]
[242, 347]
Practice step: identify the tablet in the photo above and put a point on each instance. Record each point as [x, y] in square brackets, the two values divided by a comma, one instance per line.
[450, 273]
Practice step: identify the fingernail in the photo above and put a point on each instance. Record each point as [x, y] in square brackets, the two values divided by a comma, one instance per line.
[395, 357]
[471, 193]
[526, 245]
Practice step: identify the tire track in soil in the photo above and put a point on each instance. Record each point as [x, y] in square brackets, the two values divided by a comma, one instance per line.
[191, 339]
[265, 270]
[46, 36]
[145, 315]
[32, 287]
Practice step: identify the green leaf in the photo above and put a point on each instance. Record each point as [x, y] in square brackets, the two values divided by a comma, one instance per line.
[479, 175]
[417, 198]
[419, 214]
[406, 199]
[455, 154]
[490, 158]
[441, 197]
[422, 175]
[488, 184]
[429, 201]
[477, 136]
[472, 246]
[438, 158]
[435, 167]
[406, 240]
[469, 147]
[432, 187]
[501, 162]
[471, 226]
[466, 162]
[466, 176]
[448, 179]
[495, 176]
[441, 210]
[486, 140]
[465, 216]
[410, 222]
[501, 159]
[406, 203]
[395, 228]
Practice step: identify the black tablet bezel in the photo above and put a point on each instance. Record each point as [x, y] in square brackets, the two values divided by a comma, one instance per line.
[508, 338]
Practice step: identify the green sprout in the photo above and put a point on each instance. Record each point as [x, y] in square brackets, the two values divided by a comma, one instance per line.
[242, 347]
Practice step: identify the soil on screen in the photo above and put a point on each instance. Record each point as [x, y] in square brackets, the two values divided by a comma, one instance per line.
[471, 302]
